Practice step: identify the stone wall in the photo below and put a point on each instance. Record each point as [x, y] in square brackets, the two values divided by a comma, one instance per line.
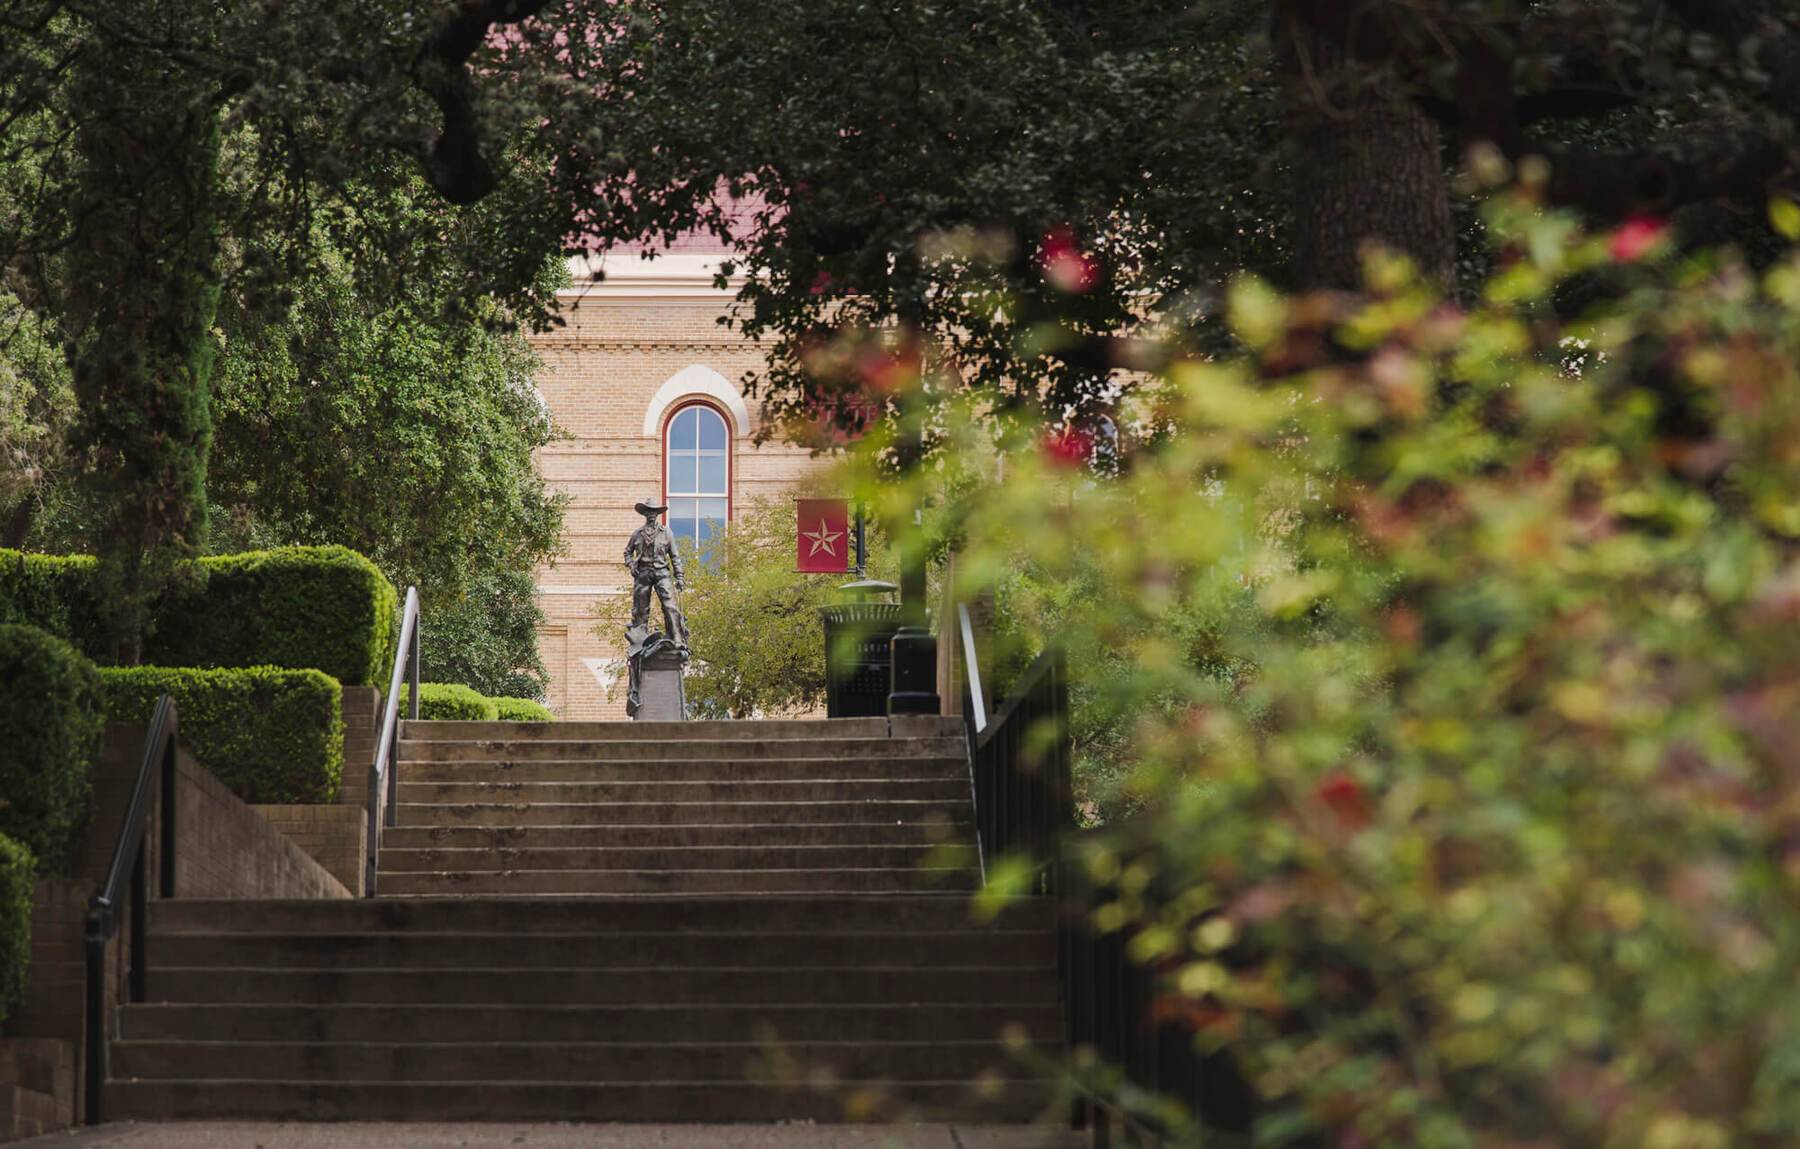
[336, 837]
[223, 850]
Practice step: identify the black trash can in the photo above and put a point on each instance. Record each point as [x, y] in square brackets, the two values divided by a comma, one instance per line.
[858, 640]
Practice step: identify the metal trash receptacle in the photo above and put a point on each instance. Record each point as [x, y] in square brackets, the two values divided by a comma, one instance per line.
[858, 639]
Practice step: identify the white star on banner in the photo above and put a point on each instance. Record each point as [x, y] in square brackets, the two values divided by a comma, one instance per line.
[822, 540]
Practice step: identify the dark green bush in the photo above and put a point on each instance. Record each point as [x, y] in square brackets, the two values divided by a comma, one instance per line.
[17, 876]
[53, 593]
[305, 608]
[451, 702]
[51, 722]
[315, 608]
[271, 735]
[521, 710]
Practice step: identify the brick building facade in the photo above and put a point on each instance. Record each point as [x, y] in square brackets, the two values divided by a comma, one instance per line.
[637, 350]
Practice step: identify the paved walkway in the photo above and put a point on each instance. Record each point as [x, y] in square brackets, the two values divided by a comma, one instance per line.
[257, 1135]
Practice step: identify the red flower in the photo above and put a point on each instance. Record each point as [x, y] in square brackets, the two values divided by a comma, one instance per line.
[1064, 264]
[1344, 796]
[1068, 447]
[1638, 237]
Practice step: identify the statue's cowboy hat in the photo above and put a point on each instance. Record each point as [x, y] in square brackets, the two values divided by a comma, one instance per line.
[652, 506]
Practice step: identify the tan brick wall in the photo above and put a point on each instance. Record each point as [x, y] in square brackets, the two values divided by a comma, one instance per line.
[362, 721]
[223, 850]
[336, 837]
[601, 372]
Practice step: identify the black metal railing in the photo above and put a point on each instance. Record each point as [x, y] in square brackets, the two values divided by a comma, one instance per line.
[384, 791]
[131, 863]
[1020, 764]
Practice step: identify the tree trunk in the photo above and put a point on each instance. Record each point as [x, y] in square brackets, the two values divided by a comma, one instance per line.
[147, 268]
[1367, 162]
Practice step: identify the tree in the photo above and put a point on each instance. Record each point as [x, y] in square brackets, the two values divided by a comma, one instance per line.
[394, 426]
[758, 638]
[120, 111]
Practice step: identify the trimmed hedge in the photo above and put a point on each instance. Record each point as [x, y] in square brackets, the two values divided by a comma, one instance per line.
[18, 875]
[271, 735]
[51, 724]
[303, 608]
[451, 702]
[521, 710]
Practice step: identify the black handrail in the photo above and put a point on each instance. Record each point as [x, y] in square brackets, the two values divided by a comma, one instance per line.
[1020, 763]
[130, 861]
[383, 776]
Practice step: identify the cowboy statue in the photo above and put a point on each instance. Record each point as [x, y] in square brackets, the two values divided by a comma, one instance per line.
[655, 565]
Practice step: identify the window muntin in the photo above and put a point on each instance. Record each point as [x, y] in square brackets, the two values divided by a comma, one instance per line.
[697, 474]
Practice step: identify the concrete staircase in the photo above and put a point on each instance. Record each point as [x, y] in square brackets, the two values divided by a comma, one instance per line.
[619, 922]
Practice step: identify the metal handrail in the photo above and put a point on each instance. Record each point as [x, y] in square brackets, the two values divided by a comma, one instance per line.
[972, 668]
[130, 861]
[383, 777]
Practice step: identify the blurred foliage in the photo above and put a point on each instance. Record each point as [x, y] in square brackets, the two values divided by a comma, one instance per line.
[753, 621]
[1455, 655]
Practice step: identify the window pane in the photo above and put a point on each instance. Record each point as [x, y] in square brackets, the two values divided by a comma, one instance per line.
[682, 431]
[683, 520]
[712, 475]
[681, 474]
[712, 429]
[714, 511]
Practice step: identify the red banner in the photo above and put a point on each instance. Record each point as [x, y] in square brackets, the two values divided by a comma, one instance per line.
[825, 540]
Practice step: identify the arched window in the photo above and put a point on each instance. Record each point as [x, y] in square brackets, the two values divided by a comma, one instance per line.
[697, 474]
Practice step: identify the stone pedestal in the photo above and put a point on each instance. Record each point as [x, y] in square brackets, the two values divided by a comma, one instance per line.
[661, 696]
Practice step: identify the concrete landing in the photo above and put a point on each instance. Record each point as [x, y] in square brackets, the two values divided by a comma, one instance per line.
[259, 1135]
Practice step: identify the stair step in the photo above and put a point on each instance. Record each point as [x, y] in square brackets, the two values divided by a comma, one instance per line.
[675, 813]
[691, 770]
[673, 881]
[743, 835]
[772, 857]
[1002, 949]
[622, 793]
[558, 1061]
[635, 1022]
[884, 913]
[616, 986]
[760, 730]
[682, 750]
[633, 1102]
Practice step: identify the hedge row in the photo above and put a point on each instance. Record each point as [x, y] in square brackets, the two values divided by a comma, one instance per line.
[302, 608]
[17, 877]
[51, 725]
[450, 702]
[522, 710]
[271, 735]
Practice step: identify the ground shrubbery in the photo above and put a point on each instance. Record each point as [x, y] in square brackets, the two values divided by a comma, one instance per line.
[17, 878]
[1490, 833]
[271, 735]
[450, 702]
[304, 608]
[520, 710]
[51, 724]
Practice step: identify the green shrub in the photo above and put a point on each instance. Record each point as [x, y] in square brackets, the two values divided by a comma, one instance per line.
[271, 735]
[53, 593]
[521, 710]
[51, 722]
[303, 608]
[17, 876]
[451, 702]
[315, 608]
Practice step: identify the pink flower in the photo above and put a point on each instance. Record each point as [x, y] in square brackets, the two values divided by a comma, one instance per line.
[1068, 446]
[1638, 237]
[1064, 264]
